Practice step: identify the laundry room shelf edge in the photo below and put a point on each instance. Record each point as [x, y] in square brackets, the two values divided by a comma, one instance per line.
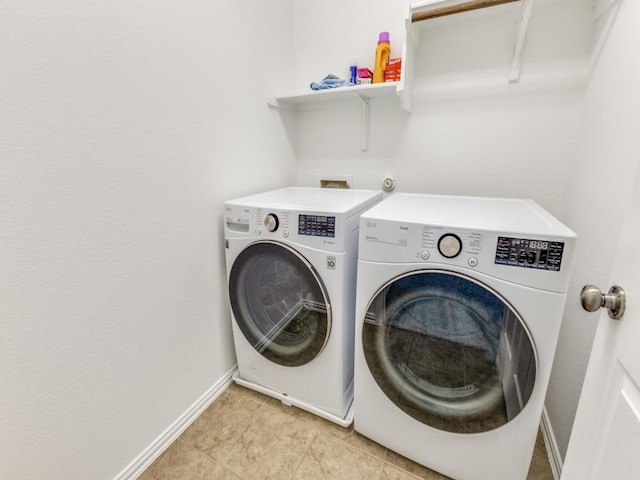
[364, 93]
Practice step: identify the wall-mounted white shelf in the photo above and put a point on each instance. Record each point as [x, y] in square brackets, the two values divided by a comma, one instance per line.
[399, 92]
[356, 93]
[432, 9]
[359, 94]
[428, 9]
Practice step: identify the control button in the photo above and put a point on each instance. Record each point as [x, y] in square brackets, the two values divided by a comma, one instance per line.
[449, 245]
[285, 233]
[522, 256]
[258, 230]
[424, 255]
[473, 262]
[271, 222]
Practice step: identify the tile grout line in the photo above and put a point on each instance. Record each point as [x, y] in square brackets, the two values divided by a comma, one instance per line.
[206, 455]
[226, 451]
[317, 432]
[306, 452]
[382, 459]
[264, 405]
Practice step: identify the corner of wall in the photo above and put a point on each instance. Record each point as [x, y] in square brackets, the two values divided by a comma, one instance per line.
[166, 438]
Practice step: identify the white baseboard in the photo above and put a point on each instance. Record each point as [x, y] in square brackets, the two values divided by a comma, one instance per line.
[166, 438]
[553, 452]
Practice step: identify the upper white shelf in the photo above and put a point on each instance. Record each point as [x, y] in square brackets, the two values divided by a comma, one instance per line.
[429, 9]
[436, 9]
[389, 90]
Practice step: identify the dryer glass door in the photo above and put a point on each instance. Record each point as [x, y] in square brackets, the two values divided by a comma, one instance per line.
[279, 303]
[449, 351]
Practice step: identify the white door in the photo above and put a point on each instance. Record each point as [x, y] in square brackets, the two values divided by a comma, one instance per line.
[605, 441]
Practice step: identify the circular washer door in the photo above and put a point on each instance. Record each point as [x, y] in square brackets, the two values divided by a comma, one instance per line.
[449, 351]
[280, 303]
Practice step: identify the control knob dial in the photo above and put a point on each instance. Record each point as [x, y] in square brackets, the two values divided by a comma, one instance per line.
[449, 245]
[271, 222]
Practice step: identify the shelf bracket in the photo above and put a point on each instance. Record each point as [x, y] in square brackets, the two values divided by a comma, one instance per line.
[514, 74]
[364, 125]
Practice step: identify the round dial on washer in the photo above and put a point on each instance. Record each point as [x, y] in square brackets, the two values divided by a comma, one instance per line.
[271, 222]
[449, 245]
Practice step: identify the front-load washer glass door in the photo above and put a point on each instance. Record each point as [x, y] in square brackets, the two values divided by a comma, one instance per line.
[279, 303]
[449, 351]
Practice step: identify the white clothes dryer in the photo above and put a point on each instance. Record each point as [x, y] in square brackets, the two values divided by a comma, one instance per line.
[459, 305]
[291, 259]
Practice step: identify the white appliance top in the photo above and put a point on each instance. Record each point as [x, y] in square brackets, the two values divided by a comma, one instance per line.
[511, 239]
[309, 199]
[484, 213]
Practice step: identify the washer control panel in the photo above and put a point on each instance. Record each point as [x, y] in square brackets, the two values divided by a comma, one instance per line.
[317, 225]
[528, 253]
[317, 229]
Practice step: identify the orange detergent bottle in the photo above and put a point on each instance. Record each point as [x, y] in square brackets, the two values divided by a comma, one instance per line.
[382, 56]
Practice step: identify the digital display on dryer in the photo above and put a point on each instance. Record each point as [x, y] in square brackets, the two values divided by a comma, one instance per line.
[522, 252]
[317, 225]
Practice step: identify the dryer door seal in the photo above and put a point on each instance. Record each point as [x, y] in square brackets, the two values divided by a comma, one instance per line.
[279, 303]
[449, 351]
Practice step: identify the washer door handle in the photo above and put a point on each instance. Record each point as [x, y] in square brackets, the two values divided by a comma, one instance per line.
[592, 299]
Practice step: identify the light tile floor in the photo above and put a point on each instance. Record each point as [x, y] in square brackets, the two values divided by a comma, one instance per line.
[247, 435]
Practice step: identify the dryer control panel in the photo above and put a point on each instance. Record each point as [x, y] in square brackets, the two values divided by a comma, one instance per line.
[527, 253]
[540, 261]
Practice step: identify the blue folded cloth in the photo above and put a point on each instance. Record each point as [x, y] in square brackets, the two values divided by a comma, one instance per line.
[330, 81]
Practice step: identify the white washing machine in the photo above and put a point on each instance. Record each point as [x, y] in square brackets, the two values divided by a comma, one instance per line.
[459, 304]
[291, 265]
